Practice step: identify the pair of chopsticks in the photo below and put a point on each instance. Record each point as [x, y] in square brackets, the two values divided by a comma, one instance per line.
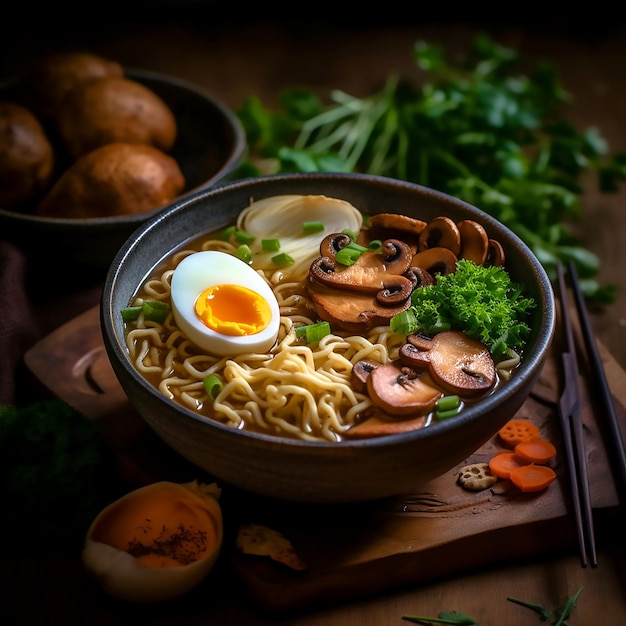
[571, 419]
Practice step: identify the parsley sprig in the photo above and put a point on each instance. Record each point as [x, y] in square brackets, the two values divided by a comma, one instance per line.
[477, 129]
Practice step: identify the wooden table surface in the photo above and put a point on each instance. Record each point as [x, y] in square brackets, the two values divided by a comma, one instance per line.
[234, 60]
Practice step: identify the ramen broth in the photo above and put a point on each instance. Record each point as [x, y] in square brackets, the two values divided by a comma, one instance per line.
[294, 390]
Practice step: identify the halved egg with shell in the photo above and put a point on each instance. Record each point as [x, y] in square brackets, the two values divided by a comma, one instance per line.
[156, 542]
[223, 305]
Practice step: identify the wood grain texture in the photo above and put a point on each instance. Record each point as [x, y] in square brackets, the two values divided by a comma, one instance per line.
[352, 551]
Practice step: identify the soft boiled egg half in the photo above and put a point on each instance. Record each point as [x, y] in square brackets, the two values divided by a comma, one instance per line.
[223, 305]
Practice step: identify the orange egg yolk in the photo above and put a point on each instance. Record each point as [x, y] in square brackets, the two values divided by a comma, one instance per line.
[233, 310]
[160, 529]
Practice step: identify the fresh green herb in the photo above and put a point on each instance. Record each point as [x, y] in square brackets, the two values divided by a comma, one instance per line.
[212, 384]
[282, 260]
[312, 333]
[312, 227]
[558, 615]
[376, 245]
[244, 253]
[479, 300]
[270, 245]
[478, 129]
[445, 617]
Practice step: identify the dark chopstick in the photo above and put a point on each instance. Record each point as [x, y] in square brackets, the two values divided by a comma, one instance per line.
[615, 435]
[571, 426]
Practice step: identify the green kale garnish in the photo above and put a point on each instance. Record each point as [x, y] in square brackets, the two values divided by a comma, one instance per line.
[481, 301]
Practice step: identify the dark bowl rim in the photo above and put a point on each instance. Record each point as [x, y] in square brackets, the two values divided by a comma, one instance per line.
[234, 158]
[530, 364]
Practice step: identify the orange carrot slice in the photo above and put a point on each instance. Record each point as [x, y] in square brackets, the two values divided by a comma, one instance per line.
[503, 463]
[517, 430]
[532, 478]
[536, 450]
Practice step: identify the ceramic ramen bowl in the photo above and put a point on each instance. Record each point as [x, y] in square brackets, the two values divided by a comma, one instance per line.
[209, 145]
[318, 471]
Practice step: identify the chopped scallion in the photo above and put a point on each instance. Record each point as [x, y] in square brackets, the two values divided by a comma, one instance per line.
[241, 236]
[312, 227]
[270, 245]
[131, 313]
[313, 332]
[404, 323]
[212, 384]
[347, 256]
[244, 253]
[155, 311]
[446, 403]
[282, 259]
[351, 233]
[353, 245]
[376, 245]
[444, 415]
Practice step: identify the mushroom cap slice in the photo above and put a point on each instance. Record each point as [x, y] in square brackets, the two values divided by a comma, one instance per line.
[376, 423]
[386, 225]
[437, 260]
[495, 253]
[474, 241]
[443, 232]
[400, 391]
[459, 364]
[353, 312]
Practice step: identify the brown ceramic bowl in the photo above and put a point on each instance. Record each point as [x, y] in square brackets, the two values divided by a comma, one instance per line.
[319, 472]
[209, 145]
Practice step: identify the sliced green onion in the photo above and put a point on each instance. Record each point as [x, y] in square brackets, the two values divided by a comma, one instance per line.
[447, 403]
[444, 415]
[282, 259]
[241, 236]
[155, 311]
[270, 245]
[376, 245]
[244, 253]
[353, 245]
[351, 233]
[313, 332]
[312, 227]
[225, 233]
[347, 256]
[131, 313]
[404, 323]
[212, 384]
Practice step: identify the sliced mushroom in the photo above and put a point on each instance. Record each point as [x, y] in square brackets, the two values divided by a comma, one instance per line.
[474, 241]
[441, 232]
[459, 364]
[400, 391]
[437, 260]
[360, 372]
[393, 225]
[376, 423]
[353, 312]
[495, 254]
[373, 272]
[331, 244]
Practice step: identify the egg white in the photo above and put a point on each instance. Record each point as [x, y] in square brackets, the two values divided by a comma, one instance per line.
[202, 270]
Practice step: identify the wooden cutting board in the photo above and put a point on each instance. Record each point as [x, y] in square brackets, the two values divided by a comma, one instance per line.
[353, 551]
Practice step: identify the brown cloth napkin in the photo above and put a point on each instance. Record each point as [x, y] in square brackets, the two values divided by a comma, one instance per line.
[33, 304]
